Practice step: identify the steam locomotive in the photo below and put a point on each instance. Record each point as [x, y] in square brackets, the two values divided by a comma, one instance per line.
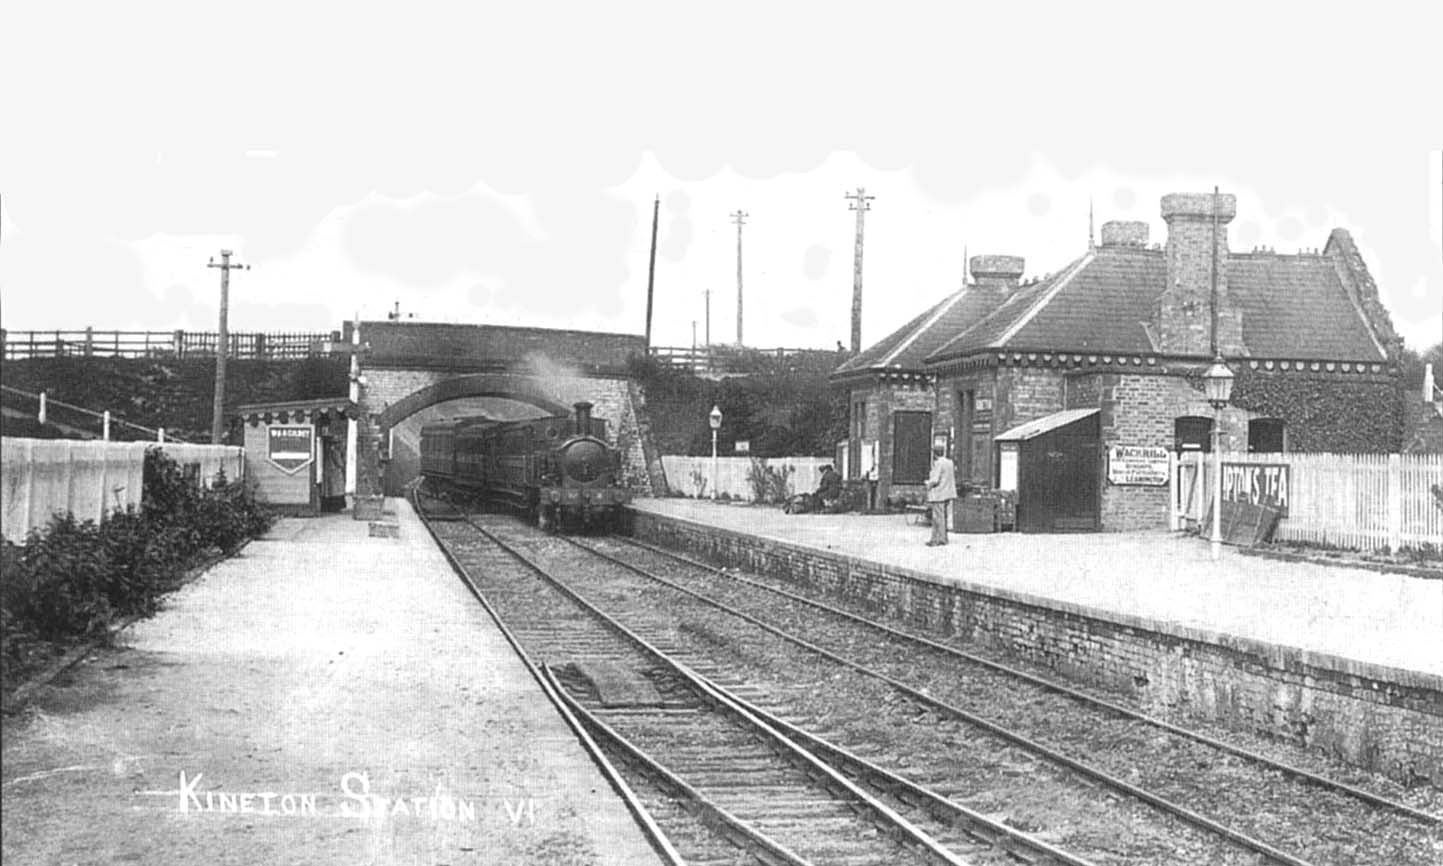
[558, 470]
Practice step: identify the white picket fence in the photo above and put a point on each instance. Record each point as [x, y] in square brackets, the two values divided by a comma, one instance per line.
[1360, 501]
[691, 476]
[89, 478]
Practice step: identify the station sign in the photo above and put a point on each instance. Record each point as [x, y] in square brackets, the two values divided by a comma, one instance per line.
[1257, 484]
[290, 446]
[1137, 464]
[743, 446]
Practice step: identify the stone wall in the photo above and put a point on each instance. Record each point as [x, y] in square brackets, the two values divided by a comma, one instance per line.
[1383, 719]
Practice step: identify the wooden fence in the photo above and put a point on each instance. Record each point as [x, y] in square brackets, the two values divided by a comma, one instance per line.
[721, 360]
[16, 345]
[44, 477]
[1359, 501]
[692, 476]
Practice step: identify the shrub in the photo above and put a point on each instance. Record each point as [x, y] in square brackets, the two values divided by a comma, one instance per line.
[769, 484]
[71, 578]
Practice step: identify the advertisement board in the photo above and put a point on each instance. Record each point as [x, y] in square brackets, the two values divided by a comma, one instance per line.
[1137, 464]
[290, 446]
[1257, 484]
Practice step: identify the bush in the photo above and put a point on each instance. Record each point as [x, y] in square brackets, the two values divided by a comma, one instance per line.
[72, 578]
[769, 484]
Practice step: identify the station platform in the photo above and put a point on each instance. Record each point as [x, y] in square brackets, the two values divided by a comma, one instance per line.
[326, 697]
[1373, 618]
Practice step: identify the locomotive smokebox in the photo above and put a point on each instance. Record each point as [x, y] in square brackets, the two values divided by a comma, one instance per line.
[583, 418]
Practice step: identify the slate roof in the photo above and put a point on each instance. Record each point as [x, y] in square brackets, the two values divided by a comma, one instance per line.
[908, 346]
[1035, 428]
[1293, 307]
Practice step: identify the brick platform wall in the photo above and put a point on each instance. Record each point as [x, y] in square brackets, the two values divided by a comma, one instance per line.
[1386, 720]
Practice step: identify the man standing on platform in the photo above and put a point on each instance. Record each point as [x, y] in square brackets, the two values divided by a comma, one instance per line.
[941, 489]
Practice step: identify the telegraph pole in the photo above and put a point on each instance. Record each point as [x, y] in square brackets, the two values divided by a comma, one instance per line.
[651, 268]
[222, 347]
[859, 204]
[707, 293]
[739, 218]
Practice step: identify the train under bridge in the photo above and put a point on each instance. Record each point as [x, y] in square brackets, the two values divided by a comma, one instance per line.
[415, 373]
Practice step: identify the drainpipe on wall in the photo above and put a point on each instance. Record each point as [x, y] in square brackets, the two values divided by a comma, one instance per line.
[354, 394]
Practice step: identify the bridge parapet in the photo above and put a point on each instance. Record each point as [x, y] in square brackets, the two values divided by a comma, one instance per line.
[497, 349]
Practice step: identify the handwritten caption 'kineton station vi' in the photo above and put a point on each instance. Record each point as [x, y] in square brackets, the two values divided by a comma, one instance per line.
[356, 800]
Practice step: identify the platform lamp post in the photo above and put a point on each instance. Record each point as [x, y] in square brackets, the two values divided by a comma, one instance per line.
[1218, 385]
[715, 418]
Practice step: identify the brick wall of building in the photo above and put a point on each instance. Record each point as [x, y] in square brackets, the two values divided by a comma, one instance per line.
[983, 382]
[1383, 719]
[883, 400]
[1027, 393]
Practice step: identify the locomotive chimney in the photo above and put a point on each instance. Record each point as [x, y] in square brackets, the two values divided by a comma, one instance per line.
[583, 418]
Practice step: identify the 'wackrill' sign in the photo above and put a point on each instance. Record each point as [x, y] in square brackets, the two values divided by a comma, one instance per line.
[289, 447]
[1135, 464]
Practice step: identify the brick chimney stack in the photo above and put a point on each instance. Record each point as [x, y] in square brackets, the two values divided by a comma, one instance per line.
[1124, 233]
[1183, 316]
[995, 277]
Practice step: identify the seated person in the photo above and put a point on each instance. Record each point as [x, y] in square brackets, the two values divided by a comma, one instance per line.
[829, 491]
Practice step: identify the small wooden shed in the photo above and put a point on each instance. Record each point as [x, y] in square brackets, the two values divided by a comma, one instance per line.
[296, 452]
[1054, 465]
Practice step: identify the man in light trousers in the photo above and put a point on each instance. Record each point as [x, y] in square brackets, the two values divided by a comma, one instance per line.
[941, 489]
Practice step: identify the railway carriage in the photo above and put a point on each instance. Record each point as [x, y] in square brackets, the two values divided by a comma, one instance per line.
[557, 469]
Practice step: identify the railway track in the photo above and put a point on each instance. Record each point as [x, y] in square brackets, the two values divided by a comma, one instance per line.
[954, 774]
[1224, 787]
[1119, 831]
[723, 785]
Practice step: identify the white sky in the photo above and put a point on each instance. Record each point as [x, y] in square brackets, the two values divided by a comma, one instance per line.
[489, 162]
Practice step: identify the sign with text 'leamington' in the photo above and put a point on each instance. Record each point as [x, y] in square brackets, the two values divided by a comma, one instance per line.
[1137, 464]
[289, 447]
[1257, 484]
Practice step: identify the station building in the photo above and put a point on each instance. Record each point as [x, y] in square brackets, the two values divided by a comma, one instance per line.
[1073, 389]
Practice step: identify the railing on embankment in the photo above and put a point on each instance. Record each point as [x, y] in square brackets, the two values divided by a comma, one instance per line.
[77, 420]
[44, 477]
[19, 345]
[1361, 501]
[692, 476]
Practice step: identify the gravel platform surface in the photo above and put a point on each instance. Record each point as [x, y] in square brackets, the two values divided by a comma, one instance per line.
[326, 697]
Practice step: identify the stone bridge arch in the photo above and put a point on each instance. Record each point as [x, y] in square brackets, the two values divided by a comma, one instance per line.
[409, 367]
[524, 389]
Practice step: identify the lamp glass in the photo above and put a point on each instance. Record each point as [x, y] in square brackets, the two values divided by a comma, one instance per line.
[1218, 383]
[715, 417]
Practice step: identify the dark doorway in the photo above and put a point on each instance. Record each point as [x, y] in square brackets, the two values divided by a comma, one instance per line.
[911, 447]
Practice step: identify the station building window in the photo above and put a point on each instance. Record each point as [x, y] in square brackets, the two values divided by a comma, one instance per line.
[911, 447]
[1192, 433]
[1267, 435]
[859, 435]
